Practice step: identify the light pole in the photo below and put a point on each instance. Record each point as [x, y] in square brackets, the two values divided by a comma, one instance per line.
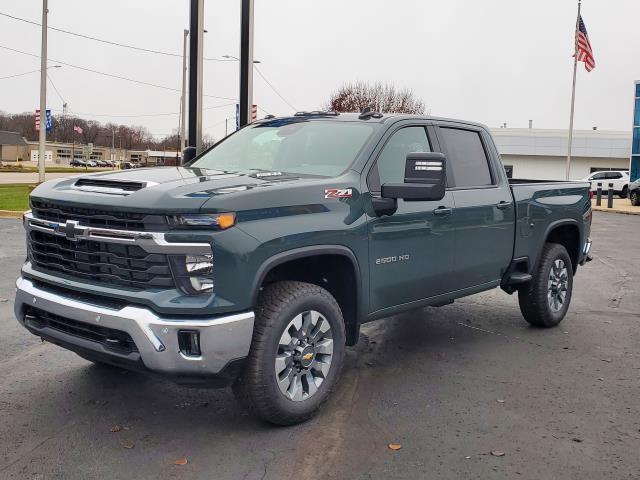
[43, 93]
[195, 74]
[183, 104]
[246, 61]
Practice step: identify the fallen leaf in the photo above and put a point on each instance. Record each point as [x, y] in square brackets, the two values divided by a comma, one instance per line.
[181, 461]
[601, 379]
[395, 446]
[497, 453]
[115, 429]
[128, 445]
[500, 401]
[467, 457]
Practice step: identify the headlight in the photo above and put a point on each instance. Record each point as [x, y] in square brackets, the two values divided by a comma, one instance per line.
[217, 221]
[193, 273]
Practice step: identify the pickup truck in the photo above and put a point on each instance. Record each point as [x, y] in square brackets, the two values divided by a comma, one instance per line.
[255, 263]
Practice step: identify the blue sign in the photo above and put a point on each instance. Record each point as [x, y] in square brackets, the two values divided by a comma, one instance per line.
[49, 124]
[635, 142]
[237, 116]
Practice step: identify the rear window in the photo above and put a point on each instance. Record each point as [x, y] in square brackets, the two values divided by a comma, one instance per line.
[467, 157]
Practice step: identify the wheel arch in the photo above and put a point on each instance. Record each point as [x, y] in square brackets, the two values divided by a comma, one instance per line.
[298, 263]
[568, 234]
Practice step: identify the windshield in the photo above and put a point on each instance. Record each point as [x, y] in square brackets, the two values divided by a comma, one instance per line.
[299, 146]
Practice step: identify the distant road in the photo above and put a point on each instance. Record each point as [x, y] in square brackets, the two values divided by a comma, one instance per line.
[16, 177]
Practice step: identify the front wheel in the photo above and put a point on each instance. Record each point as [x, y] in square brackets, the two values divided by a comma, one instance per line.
[296, 353]
[544, 301]
[635, 198]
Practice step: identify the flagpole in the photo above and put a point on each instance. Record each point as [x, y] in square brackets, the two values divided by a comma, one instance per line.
[573, 90]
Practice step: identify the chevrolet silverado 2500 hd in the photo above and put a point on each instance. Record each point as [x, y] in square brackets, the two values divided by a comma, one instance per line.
[256, 263]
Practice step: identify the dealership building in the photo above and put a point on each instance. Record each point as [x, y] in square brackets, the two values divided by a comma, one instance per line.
[541, 154]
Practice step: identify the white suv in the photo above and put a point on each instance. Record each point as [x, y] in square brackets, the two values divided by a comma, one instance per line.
[619, 178]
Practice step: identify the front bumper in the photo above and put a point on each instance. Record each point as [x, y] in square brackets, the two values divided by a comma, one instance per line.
[223, 340]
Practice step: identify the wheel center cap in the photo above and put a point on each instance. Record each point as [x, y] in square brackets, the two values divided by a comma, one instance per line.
[306, 356]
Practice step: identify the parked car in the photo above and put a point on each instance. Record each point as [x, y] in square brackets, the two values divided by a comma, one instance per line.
[256, 264]
[634, 193]
[619, 178]
[78, 163]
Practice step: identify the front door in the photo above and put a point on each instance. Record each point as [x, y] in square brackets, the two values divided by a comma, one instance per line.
[410, 251]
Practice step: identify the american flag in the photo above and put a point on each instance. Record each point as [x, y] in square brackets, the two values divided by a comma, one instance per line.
[583, 47]
[77, 129]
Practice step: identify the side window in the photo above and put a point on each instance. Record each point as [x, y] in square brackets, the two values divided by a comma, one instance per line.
[614, 175]
[392, 159]
[599, 176]
[467, 157]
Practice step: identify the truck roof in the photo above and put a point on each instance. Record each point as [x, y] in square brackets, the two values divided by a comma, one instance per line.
[356, 117]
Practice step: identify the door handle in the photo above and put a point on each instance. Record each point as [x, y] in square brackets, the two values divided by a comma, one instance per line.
[442, 211]
[504, 205]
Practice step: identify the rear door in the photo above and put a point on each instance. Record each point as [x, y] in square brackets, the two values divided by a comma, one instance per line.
[484, 219]
[410, 252]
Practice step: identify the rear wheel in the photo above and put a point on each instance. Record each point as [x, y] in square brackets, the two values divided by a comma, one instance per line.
[544, 301]
[624, 192]
[635, 198]
[296, 353]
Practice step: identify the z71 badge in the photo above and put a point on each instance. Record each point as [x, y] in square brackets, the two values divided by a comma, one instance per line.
[338, 193]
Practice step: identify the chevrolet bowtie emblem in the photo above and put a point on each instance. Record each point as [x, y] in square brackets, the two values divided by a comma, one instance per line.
[70, 229]
[307, 356]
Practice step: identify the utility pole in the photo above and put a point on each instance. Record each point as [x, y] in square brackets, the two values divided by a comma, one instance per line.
[43, 93]
[183, 100]
[246, 61]
[195, 74]
[113, 144]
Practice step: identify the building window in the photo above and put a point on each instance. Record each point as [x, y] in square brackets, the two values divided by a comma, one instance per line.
[509, 170]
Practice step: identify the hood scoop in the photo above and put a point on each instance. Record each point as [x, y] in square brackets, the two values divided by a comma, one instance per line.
[112, 187]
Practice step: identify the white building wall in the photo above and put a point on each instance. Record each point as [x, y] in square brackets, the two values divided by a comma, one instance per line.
[553, 168]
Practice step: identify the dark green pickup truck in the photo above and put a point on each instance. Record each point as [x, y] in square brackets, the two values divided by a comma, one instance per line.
[256, 263]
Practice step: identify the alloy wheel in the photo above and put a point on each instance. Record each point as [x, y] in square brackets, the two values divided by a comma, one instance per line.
[305, 351]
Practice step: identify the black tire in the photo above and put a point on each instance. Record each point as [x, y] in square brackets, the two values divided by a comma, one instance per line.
[635, 198]
[257, 387]
[534, 297]
[624, 192]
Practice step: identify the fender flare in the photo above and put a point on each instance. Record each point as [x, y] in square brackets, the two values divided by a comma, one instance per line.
[303, 252]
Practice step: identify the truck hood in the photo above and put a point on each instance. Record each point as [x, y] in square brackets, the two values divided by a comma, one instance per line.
[169, 189]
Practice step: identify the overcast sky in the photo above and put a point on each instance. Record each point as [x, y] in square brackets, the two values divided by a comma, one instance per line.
[491, 61]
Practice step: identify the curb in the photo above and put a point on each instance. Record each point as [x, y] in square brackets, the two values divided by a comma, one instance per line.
[10, 214]
[614, 210]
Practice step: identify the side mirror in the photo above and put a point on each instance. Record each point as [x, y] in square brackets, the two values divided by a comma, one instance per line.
[425, 178]
[188, 154]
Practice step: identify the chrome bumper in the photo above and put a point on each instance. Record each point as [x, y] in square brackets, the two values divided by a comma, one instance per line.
[222, 339]
[586, 249]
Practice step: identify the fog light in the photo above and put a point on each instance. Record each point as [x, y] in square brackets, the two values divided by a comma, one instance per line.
[189, 343]
[198, 263]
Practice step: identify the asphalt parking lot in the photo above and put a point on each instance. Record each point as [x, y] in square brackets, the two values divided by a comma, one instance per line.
[451, 385]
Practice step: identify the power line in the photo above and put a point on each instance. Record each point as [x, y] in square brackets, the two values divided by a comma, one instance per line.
[19, 74]
[143, 115]
[140, 82]
[108, 42]
[57, 91]
[273, 88]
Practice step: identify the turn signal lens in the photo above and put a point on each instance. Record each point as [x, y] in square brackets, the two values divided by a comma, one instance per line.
[219, 221]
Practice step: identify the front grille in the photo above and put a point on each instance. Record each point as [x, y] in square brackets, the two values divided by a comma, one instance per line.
[104, 262]
[92, 217]
[110, 338]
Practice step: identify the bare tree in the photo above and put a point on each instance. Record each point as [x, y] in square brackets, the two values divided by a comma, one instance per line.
[382, 97]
